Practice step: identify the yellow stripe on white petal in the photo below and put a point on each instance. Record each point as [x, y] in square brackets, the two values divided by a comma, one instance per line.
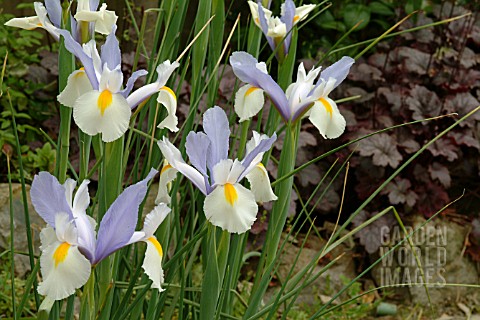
[248, 101]
[102, 112]
[167, 97]
[152, 263]
[77, 85]
[302, 12]
[327, 118]
[167, 175]
[260, 184]
[64, 269]
[231, 207]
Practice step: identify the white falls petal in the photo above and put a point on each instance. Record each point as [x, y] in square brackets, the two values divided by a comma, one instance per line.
[231, 207]
[95, 114]
[64, 269]
[152, 263]
[249, 101]
[260, 184]
[327, 118]
[77, 85]
[104, 19]
[167, 97]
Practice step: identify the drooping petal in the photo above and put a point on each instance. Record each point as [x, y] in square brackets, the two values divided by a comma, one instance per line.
[105, 113]
[154, 219]
[120, 220]
[249, 101]
[104, 19]
[327, 118]
[215, 125]
[167, 175]
[174, 157]
[167, 98]
[164, 71]
[41, 12]
[64, 269]
[152, 263]
[197, 146]
[260, 184]
[338, 71]
[255, 14]
[231, 207]
[302, 12]
[48, 197]
[245, 68]
[77, 85]
[27, 23]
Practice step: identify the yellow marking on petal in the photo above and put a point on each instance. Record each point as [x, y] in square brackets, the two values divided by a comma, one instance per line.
[230, 193]
[261, 165]
[170, 91]
[257, 20]
[250, 90]
[157, 245]
[61, 253]
[327, 105]
[81, 73]
[104, 100]
[165, 168]
[295, 19]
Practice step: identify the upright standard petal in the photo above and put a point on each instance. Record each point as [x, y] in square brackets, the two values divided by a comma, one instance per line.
[110, 51]
[77, 85]
[48, 197]
[64, 269]
[327, 118]
[231, 207]
[338, 71]
[197, 147]
[54, 9]
[215, 125]
[249, 100]
[118, 224]
[252, 158]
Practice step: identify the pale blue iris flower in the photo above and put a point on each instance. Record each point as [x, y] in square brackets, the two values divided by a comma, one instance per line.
[228, 204]
[70, 245]
[302, 98]
[95, 93]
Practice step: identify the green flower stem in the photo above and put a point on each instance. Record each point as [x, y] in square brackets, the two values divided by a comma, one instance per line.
[87, 306]
[216, 261]
[278, 216]
[66, 65]
[109, 189]
[85, 143]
